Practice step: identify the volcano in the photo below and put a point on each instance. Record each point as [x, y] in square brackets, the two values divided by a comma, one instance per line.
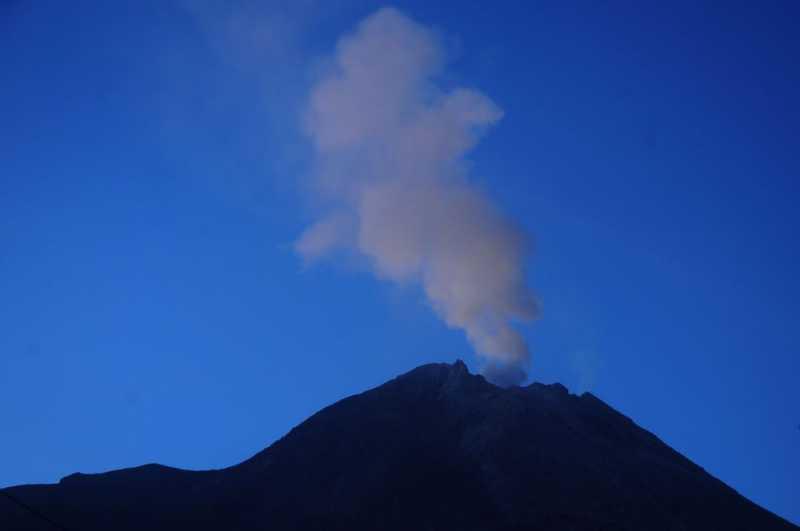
[437, 448]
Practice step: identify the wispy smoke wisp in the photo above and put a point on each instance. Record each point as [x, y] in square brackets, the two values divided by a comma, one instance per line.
[389, 149]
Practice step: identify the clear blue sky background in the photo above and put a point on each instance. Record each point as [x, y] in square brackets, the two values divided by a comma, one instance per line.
[151, 306]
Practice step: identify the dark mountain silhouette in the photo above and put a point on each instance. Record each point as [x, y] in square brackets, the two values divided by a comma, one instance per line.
[434, 449]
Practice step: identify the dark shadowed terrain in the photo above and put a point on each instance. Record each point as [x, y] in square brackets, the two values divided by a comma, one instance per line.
[434, 449]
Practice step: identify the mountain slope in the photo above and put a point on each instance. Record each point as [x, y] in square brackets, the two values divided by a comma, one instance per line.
[434, 449]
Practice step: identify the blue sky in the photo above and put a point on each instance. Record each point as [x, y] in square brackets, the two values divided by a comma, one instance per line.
[152, 173]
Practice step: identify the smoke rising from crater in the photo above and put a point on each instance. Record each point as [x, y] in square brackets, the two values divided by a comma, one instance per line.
[389, 166]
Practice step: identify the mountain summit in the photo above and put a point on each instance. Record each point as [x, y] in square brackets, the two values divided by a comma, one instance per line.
[437, 448]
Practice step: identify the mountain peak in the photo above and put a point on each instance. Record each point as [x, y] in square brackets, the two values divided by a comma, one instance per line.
[434, 448]
[456, 376]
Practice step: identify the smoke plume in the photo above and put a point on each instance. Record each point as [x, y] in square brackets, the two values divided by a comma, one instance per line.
[389, 147]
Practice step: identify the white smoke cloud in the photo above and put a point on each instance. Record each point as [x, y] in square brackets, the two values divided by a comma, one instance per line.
[389, 149]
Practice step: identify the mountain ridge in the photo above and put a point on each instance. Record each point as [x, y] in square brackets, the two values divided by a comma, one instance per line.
[434, 448]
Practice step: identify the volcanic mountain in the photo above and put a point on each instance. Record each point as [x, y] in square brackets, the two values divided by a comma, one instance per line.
[434, 449]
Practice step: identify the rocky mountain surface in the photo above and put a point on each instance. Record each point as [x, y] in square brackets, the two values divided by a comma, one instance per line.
[434, 449]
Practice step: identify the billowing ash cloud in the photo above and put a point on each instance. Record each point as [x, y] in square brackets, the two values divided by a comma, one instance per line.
[389, 149]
